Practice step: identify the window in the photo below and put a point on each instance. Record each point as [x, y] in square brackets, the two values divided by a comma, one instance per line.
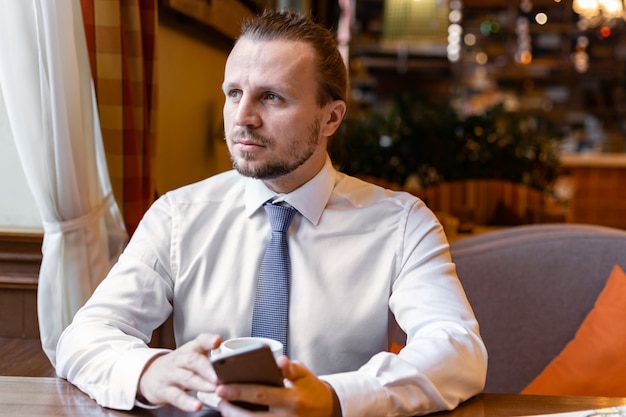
[18, 210]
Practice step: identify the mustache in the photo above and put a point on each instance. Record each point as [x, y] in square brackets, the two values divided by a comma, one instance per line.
[244, 133]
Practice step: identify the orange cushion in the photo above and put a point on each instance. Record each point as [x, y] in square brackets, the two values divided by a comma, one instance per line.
[395, 348]
[594, 361]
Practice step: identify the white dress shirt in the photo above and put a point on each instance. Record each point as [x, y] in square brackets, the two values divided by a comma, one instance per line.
[360, 257]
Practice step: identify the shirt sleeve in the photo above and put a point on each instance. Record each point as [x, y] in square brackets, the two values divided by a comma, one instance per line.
[444, 361]
[105, 349]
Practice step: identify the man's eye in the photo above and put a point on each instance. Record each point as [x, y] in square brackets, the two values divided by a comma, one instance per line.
[235, 94]
[272, 97]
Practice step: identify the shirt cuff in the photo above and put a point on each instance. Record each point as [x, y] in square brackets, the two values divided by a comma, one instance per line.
[359, 395]
[125, 377]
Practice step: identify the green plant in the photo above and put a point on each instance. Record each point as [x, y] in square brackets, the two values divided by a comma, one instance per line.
[429, 141]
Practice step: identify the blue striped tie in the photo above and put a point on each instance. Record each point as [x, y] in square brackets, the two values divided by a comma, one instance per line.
[270, 317]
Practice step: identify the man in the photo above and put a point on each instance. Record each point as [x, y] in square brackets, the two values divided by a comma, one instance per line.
[362, 258]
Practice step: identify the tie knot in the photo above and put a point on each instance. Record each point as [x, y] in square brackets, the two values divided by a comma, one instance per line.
[280, 216]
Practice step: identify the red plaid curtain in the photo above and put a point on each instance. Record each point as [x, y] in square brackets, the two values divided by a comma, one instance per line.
[121, 38]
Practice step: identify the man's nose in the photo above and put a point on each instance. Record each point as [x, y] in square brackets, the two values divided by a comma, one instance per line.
[247, 113]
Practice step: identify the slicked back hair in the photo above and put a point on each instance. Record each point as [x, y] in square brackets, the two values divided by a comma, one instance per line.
[291, 26]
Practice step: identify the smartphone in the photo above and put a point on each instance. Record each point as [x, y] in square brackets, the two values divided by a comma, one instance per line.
[254, 364]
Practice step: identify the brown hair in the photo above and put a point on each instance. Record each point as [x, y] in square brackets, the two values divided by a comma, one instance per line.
[292, 26]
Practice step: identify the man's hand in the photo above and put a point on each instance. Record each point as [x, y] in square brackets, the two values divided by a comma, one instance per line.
[167, 378]
[304, 395]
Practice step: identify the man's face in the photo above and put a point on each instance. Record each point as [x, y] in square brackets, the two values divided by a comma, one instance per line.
[274, 128]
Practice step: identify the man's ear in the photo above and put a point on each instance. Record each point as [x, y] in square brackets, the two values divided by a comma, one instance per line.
[335, 112]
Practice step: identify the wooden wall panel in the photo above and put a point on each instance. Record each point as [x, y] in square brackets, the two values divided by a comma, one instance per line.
[20, 258]
[18, 313]
[599, 182]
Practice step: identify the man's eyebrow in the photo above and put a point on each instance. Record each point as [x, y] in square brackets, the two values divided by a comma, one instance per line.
[280, 89]
[277, 88]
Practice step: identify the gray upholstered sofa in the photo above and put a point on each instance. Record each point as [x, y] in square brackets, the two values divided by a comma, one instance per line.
[531, 287]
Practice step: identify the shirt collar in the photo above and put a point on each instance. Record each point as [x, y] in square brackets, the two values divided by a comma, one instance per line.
[310, 199]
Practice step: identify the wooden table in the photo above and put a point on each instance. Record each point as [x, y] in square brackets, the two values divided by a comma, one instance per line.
[51, 397]
[510, 405]
[23, 357]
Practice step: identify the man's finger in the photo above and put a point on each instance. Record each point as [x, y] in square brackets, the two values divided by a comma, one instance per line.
[194, 362]
[292, 370]
[252, 393]
[181, 399]
[229, 410]
[205, 342]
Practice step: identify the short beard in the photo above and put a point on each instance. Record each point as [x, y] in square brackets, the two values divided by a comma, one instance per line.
[299, 152]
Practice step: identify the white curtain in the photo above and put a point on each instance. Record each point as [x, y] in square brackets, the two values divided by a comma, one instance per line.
[48, 91]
